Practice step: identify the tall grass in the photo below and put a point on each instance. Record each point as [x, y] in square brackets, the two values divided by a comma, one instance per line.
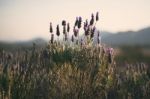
[56, 72]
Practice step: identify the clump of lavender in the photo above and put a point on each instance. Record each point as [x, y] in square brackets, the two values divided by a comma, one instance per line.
[89, 29]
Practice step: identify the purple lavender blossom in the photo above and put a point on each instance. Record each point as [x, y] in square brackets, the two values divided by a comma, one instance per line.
[97, 16]
[57, 30]
[51, 29]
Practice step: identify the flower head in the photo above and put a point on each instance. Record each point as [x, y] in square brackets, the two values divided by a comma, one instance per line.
[97, 16]
[76, 22]
[68, 27]
[63, 23]
[92, 19]
[57, 30]
[98, 37]
[51, 29]
[79, 22]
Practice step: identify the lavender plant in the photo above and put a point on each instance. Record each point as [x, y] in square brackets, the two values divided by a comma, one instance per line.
[80, 71]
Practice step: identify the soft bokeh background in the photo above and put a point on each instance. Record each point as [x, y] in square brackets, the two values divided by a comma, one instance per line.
[27, 19]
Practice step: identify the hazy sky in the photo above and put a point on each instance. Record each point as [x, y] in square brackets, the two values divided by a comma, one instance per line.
[27, 19]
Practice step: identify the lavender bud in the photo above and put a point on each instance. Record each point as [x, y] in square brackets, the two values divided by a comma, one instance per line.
[51, 29]
[63, 23]
[97, 16]
[98, 39]
[92, 20]
[68, 27]
[57, 30]
[79, 22]
[76, 22]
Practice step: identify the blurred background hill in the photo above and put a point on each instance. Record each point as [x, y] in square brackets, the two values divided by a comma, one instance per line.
[141, 38]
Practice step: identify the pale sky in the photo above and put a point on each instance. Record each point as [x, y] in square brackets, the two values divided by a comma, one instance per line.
[27, 19]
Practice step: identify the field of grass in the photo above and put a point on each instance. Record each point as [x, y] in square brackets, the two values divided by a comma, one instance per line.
[133, 54]
[62, 72]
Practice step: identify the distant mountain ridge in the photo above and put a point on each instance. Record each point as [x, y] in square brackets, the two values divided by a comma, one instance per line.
[141, 37]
